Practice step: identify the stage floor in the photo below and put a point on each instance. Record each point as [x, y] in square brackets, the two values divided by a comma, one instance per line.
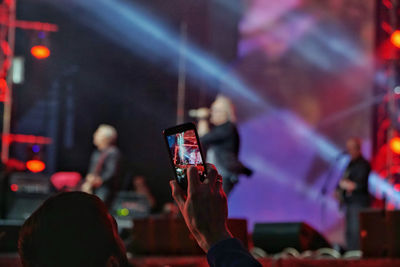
[12, 260]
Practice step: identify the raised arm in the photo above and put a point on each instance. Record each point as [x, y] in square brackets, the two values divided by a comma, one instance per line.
[205, 210]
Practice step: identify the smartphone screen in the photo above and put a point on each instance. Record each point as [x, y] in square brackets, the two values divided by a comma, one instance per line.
[184, 151]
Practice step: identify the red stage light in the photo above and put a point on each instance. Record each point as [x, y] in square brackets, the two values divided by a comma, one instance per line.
[387, 3]
[40, 52]
[35, 165]
[395, 38]
[14, 187]
[390, 206]
[395, 145]
[363, 234]
[397, 187]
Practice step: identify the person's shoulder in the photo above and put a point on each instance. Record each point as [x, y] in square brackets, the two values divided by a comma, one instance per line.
[364, 161]
[95, 153]
[230, 125]
[114, 150]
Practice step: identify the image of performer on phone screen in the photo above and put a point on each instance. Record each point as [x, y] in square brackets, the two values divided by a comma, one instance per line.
[185, 152]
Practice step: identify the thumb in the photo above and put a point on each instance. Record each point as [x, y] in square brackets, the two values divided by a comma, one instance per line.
[193, 179]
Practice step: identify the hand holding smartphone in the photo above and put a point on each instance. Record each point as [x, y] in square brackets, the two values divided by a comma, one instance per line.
[184, 151]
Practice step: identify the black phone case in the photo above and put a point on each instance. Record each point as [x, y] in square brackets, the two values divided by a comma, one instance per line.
[179, 129]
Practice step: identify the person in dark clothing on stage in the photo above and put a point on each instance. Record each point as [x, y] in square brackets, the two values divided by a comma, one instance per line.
[353, 188]
[222, 140]
[205, 210]
[104, 169]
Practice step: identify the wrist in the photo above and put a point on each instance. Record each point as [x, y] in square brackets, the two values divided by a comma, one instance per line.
[206, 241]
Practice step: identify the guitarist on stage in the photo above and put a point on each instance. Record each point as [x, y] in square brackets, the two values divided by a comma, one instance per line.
[354, 191]
[103, 175]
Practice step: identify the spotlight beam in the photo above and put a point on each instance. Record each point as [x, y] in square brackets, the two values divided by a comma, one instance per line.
[120, 20]
[329, 120]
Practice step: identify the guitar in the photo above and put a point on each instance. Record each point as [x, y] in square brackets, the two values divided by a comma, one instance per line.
[345, 188]
[91, 182]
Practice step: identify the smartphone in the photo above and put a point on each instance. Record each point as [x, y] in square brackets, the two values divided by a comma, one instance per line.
[184, 151]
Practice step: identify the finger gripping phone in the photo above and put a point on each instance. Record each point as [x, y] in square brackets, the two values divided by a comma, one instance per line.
[184, 151]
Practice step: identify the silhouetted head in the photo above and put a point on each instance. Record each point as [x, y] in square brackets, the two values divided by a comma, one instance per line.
[71, 229]
[353, 147]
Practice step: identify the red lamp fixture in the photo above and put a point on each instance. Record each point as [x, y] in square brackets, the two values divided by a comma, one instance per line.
[395, 145]
[14, 187]
[35, 165]
[395, 38]
[40, 51]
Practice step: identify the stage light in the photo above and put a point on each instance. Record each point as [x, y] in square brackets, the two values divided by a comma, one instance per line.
[40, 51]
[363, 234]
[14, 187]
[123, 212]
[395, 38]
[35, 165]
[36, 148]
[390, 206]
[395, 145]
[397, 187]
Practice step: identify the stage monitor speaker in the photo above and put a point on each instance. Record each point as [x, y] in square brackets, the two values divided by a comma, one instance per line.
[275, 237]
[21, 206]
[166, 236]
[380, 233]
[130, 205]
[9, 231]
[30, 183]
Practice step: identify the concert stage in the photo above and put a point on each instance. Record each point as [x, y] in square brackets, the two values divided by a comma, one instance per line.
[199, 261]
[295, 82]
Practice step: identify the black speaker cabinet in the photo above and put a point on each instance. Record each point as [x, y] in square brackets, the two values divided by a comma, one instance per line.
[380, 233]
[275, 237]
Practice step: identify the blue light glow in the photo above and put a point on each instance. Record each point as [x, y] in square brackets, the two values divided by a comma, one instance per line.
[381, 189]
[134, 28]
[36, 148]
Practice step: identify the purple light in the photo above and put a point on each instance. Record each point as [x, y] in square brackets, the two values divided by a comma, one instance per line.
[36, 148]
[41, 35]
